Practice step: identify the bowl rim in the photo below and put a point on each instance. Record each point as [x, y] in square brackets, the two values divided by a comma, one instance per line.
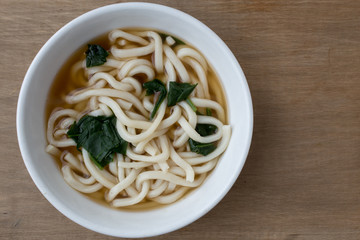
[23, 96]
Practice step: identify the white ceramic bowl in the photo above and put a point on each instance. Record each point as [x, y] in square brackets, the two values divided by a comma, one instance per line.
[31, 120]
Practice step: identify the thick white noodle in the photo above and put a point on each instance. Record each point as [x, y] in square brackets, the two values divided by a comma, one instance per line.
[170, 188]
[109, 66]
[157, 190]
[147, 103]
[184, 76]
[183, 164]
[170, 71]
[124, 104]
[170, 41]
[141, 145]
[170, 198]
[177, 171]
[158, 53]
[115, 34]
[131, 64]
[50, 128]
[196, 136]
[132, 52]
[192, 53]
[51, 149]
[126, 182]
[206, 103]
[113, 63]
[205, 167]
[121, 116]
[96, 113]
[121, 174]
[75, 71]
[134, 83]
[122, 42]
[143, 135]
[111, 80]
[168, 177]
[201, 75]
[60, 132]
[75, 163]
[93, 103]
[113, 167]
[135, 165]
[192, 118]
[66, 123]
[105, 109]
[148, 71]
[153, 159]
[74, 183]
[132, 200]
[87, 181]
[108, 93]
[102, 176]
[173, 118]
[93, 70]
[188, 154]
[135, 116]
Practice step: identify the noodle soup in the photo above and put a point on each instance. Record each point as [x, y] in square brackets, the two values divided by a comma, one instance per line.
[137, 118]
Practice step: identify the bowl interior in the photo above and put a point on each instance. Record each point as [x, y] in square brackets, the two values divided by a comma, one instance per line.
[31, 121]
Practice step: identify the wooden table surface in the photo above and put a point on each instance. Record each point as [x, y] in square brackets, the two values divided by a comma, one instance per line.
[302, 176]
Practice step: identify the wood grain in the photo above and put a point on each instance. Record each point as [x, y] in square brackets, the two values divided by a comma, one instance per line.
[302, 61]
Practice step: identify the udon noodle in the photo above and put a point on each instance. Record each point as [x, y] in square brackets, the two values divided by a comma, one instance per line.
[159, 164]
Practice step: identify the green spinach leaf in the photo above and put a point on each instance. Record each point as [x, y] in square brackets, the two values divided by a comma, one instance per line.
[179, 92]
[98, 135]
[151, 88]
[203, 148]
[205, 129]
[95, 55]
